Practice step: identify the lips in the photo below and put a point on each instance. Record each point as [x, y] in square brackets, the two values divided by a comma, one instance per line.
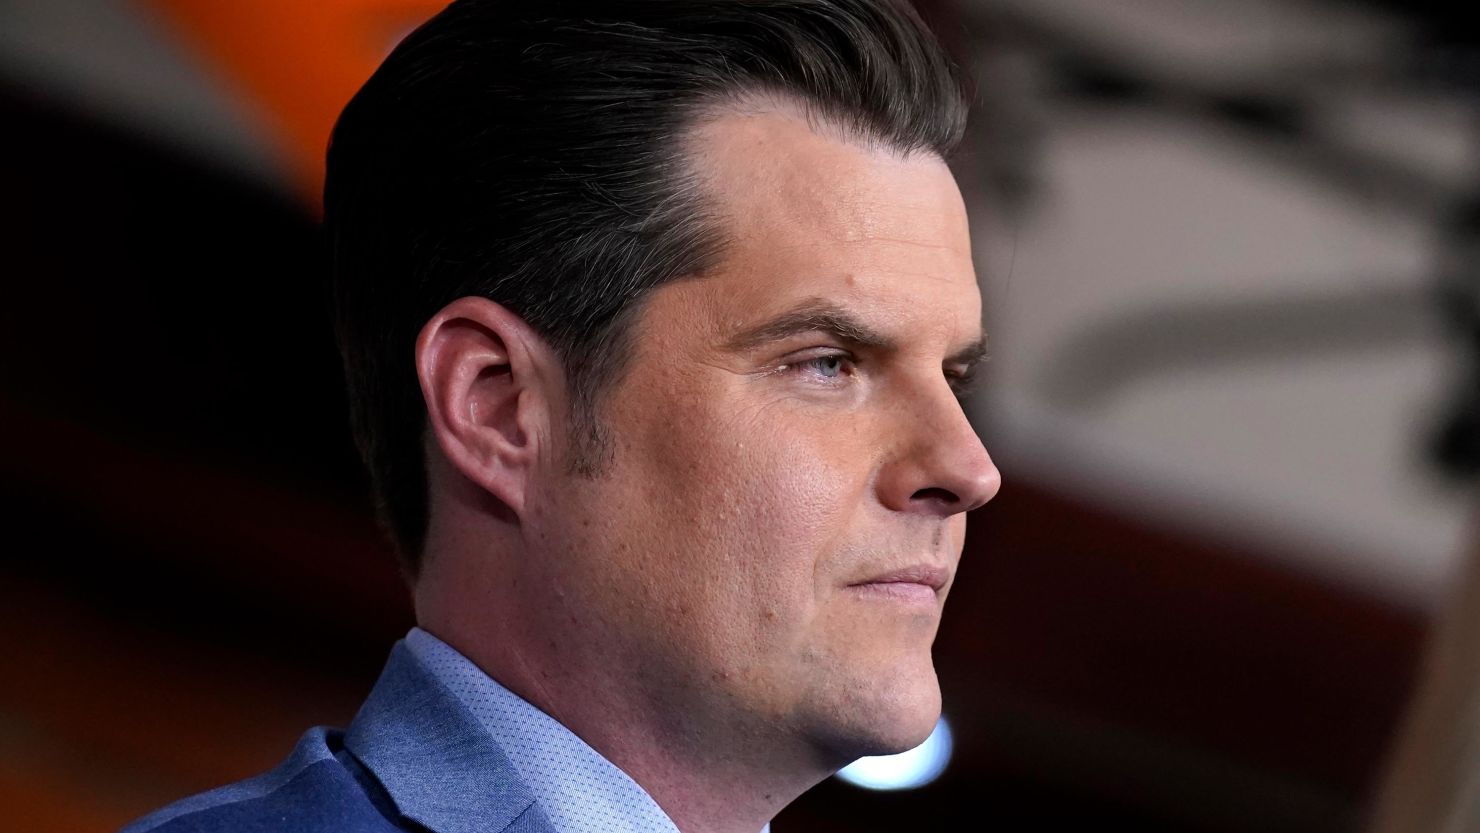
[920, 582]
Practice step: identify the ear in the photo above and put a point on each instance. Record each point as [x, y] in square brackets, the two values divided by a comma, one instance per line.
[487, 380]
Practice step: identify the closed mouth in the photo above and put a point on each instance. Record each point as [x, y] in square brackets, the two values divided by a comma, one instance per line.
[916, 583]
[928, 575]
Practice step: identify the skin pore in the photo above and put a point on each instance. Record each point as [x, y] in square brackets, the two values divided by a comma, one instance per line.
[744, 599]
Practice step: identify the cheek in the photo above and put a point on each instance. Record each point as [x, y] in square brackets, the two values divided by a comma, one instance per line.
[761, 503]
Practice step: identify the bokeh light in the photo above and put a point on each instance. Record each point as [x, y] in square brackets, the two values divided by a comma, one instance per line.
[906, 771]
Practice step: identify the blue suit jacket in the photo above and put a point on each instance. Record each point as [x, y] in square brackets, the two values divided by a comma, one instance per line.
[413, 759]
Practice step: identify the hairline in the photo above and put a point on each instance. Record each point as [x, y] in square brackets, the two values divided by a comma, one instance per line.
[588, 395]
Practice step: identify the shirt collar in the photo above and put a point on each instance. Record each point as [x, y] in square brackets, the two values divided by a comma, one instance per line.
[433, 759]
[579, 790]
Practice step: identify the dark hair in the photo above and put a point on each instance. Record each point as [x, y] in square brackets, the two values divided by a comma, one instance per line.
[529, 152]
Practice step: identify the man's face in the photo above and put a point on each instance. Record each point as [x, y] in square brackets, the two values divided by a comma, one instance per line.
[790, 465]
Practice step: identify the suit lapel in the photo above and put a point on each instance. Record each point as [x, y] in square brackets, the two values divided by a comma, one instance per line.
[438, 765]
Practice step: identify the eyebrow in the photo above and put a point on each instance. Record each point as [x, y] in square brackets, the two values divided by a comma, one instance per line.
[812, 316]
[816, 315]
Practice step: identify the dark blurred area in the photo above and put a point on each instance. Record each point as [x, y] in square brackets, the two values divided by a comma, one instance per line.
[193, 575]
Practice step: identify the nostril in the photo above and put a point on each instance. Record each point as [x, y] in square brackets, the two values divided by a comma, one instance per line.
[944, 496]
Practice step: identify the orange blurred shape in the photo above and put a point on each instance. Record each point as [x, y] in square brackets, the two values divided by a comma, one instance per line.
[297, 61]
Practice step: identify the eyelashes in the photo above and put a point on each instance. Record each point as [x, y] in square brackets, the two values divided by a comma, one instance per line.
[964, 383]
[837, 368]
[829, 368]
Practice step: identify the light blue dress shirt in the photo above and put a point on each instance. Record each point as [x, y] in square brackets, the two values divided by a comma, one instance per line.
[579, 790]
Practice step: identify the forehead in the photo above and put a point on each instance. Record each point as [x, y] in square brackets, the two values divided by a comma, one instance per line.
[808, 214]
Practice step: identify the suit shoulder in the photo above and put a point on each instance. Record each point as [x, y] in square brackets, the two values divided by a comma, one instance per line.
[313, 790]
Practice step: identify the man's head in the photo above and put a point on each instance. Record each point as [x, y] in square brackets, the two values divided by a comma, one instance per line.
[652, 314]
[531, 153]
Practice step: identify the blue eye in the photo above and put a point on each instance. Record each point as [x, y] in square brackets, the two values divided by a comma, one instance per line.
[820, 368]
[828, 366]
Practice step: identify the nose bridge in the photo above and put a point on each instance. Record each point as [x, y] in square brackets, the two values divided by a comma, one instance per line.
[944, 467]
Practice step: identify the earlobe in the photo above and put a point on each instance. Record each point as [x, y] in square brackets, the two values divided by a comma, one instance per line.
[483, 378]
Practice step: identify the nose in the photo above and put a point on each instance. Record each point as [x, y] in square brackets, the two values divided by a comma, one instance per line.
[941, 467]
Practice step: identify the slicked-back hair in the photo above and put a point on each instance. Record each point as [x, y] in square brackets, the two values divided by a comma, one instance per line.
[532, 153]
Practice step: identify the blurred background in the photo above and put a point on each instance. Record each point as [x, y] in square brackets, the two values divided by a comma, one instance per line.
[1225, 252]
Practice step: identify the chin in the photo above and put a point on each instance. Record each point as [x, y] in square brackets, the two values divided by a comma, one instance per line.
[883, 718]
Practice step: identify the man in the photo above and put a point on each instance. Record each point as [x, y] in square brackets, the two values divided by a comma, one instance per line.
[654, 316]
